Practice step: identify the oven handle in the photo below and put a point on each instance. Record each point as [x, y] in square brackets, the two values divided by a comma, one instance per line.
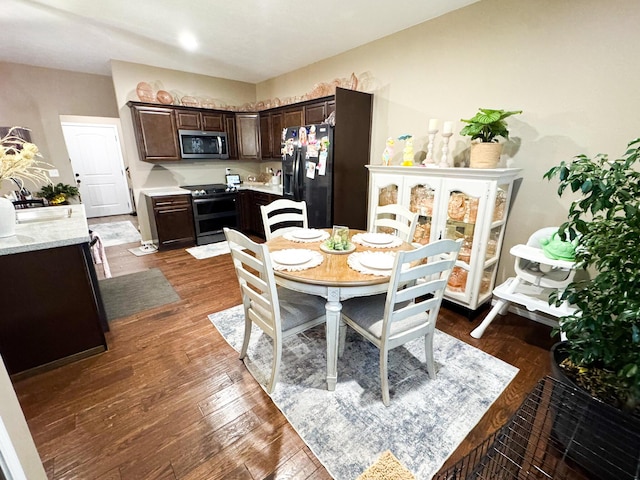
[213, 199]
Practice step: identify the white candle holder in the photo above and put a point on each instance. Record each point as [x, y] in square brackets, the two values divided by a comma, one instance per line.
[444, 160]
[429, 161]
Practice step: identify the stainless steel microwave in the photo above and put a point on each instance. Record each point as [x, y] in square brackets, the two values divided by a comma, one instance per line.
[195, 144]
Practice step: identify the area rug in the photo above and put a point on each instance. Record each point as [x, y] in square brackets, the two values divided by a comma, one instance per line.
[387, 467]
[348, 429]
[210, 250]
[133, 293]
[116, 233]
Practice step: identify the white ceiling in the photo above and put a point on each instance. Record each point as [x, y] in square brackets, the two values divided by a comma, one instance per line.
[247, 40]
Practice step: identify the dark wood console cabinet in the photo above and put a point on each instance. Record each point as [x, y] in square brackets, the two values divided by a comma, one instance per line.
[52, 311]
[171, 221]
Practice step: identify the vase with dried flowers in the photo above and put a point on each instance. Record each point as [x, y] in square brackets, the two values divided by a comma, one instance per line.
[19, 161]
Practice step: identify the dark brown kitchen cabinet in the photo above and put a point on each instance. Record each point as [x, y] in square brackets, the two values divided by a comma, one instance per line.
[245, 199]
[197, 120]
[55, 315]
[293, 117]
[250, 214]
[188, 119]
[156, 133]
[276, 134]
[248, 134]
[230, 127]
[266, 142]
[171, 221]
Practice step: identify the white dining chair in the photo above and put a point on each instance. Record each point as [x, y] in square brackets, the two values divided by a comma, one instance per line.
[410, 307]
[279, 312]
[282, 216]
[396, 218]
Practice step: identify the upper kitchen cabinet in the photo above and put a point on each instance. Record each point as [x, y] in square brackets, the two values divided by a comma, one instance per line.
[318, 112]
[248, 134]
[156, 133]
[197, 120]
[266, 143]
[293, 117]
[229, 121]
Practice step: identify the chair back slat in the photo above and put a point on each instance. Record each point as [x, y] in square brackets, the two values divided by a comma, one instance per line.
[257, 282]
[405, 296]
[283, 215]
[398, 218]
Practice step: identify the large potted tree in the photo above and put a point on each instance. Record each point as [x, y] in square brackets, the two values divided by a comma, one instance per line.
[601, 353]
[484, 128]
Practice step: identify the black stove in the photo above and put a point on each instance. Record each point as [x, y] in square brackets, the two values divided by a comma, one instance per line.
[215, 206]
[204, 191]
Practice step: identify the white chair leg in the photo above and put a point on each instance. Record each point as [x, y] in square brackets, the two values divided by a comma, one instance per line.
[275, 365]
[428, 350]
[479, 330]
[247, 336]
[341, 337]
[384, 380]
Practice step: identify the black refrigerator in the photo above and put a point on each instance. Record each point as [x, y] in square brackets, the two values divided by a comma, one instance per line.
[325, 165]
[307, 170]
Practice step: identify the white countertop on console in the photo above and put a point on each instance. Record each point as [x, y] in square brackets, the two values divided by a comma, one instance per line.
[47, 227]
[164, 191]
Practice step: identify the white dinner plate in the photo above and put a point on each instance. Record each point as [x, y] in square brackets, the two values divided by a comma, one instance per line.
[291, 256]
[378, 238]
[377, 260]
[306, 234]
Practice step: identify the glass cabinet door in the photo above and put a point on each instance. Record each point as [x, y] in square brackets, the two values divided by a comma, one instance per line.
[422, 199]
[463, 201]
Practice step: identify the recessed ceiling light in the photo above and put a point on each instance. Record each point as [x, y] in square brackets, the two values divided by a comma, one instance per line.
[188, 41]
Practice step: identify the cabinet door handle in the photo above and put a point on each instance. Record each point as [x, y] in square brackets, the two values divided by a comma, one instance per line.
[173, 210]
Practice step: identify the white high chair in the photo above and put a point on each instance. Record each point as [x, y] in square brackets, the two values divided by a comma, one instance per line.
[536, 277]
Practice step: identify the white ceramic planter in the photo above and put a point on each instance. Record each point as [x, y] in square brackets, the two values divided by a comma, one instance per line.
[7, 218]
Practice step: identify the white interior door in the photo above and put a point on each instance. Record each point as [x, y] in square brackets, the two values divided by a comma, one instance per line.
[97, 162]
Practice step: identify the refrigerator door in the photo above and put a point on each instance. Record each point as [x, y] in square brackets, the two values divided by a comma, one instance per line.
[317, 178]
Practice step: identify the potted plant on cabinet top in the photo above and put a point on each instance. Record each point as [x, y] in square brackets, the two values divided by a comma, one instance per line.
[603, 336]
[486, 126]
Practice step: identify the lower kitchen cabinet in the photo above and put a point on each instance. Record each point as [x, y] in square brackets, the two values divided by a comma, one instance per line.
[52, 311]
[250, 214]
[171, 221]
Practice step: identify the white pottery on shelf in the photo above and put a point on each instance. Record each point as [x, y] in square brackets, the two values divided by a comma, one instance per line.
[7, 218]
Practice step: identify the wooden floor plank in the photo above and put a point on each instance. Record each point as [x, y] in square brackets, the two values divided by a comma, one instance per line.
[171, 400]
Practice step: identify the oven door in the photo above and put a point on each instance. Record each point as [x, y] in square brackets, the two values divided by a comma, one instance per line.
[212, 214]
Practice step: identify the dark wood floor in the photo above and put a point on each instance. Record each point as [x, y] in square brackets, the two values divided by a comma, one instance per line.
[171, 400]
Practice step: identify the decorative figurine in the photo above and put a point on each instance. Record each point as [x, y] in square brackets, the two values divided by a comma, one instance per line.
[407, 151]
[387, 155]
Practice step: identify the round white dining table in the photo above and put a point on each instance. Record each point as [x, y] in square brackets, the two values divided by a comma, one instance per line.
[334, 280]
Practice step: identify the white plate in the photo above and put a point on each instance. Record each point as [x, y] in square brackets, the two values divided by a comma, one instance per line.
[378, 238]
[376, 260]
[291, 256]
[306, 234]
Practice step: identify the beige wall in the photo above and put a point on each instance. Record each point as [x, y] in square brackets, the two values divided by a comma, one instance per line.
[126, 77]
[571, 66]
[35, 97]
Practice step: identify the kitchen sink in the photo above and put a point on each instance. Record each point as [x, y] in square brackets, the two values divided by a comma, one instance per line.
[46, 214]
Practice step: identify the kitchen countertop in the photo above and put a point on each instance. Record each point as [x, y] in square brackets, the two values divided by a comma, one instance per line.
[52, 228]
[261, 187]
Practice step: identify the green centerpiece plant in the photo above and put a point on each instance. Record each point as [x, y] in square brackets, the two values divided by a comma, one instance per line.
[603, 335]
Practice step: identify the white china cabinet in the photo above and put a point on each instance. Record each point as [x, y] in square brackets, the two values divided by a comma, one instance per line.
[457, 203]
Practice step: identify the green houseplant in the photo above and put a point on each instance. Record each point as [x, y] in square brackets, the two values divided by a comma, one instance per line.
[603, 336]
[486, 126]
[58, 194]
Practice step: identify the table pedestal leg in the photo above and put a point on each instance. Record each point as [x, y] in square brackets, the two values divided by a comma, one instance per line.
[333, 308]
